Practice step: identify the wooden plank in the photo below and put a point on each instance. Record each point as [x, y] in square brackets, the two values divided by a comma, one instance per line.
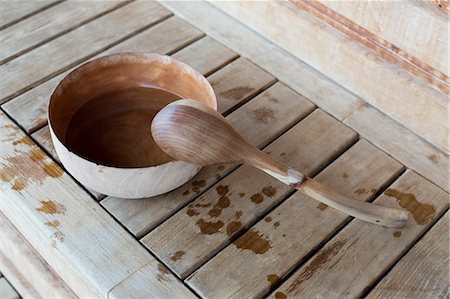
[48, 24]
[78, 239]
[238, 82]
[294, 228]
[43, 138]
[30, 108]
[401, 143]
[6, 290]
[215, 55]
[423, 272]
[198, 231]
[282, 107]
[409, 25]
[26, 269]
[58, 55]
[15, 11]
[359, 254]
[315, 42]
[302, 78]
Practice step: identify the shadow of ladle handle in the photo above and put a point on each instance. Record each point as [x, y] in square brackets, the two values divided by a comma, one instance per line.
[373, 213]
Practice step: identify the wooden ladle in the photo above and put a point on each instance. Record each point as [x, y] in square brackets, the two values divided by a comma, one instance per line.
[192, 132]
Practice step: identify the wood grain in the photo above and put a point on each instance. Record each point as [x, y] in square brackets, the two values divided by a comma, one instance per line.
[425, 113]
[214, 54]
[48, 24]
[26, 269]
[410, 26]
[206, 225]
[30, 108]
[14, 11]
[77, 238]
[238, 82]
[282, 108]
[294, 228]
[43, 138]
[58, 55]
[401, 143]
[423, 272]
[360, 253]
[6, 290]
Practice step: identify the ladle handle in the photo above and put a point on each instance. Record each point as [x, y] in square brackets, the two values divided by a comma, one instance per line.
[373, 213]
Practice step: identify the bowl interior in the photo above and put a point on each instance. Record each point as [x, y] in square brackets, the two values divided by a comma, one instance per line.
[103, 110]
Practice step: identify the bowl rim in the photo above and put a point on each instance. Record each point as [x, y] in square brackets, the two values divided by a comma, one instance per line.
[112, 57]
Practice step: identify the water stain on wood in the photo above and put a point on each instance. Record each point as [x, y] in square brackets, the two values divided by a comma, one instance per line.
[374, 190]
[238, 214]
[273, 100]
[269, 191]
[276, 224]
[54, 223]
[186, 192]
[222, 203]
[283, 154]
[24, 140]
[36, 154]
[209, 227]
[397, 234]
[50, 207]
[257, 198]
[59, 236]
[273, 279]
[318, 262]
[222, 190]
[345, 175]
[177, 255]
[322, 206]
[242, 194]
[253, 241]
[18, 186]
[263, 115]
[360, 191]
[197, 185]
[433, 158]
[220, 168]
[53, 170]
[268, 219]
[422, 213]
[233, 227]
[236, 93]
[280, 295]
[163, 273]
[192, 212]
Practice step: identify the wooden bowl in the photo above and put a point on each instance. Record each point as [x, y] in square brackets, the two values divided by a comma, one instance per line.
[100, 116]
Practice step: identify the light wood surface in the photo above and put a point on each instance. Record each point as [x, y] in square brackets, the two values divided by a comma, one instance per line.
[6, 290]
[430, 258]
[59, 54]
[417, 28]
[357, 68]
[26, 269]
[249, 194]
[322, 91]
[213, 55]
[15, 11]
[353, 259]
[38, 30]
[294, 228]
[30, 108]
[401, 143]
[139, 216]
[37, 193]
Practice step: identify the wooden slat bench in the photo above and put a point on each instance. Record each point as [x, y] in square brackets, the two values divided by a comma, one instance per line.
[232, 231]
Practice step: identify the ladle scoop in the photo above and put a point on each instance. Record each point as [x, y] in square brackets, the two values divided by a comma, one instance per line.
[192, 132]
